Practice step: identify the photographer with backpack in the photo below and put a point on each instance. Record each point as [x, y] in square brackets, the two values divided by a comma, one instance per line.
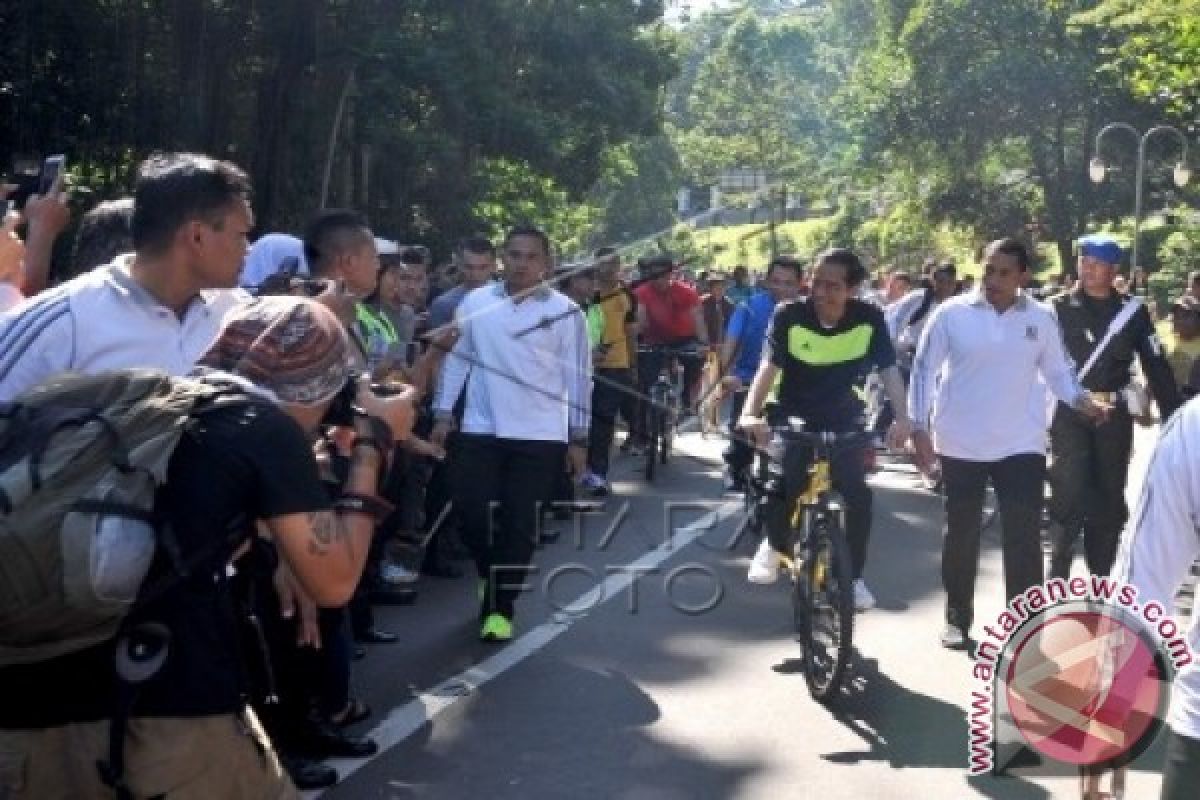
[147, 697]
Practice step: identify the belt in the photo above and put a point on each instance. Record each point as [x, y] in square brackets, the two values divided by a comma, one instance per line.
[1108, 398]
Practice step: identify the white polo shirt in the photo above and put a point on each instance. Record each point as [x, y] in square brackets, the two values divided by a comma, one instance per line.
[975, 377]
[527, 366]
[103, 320]
[1163, 540]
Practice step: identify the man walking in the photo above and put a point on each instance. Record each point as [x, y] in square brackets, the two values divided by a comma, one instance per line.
[524, 358]
[1156, 554]
[617, 355]
[741, 353]
[975, 400]
[1103, 331]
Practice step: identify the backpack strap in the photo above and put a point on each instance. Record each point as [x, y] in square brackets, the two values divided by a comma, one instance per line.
[922, 309]
[141, 653]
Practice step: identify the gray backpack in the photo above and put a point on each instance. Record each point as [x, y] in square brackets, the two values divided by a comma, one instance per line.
[81, 459]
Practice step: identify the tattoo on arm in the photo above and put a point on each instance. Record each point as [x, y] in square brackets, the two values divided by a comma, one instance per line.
[325, 531]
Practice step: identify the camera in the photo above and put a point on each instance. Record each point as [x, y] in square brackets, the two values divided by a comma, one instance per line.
[345, 408]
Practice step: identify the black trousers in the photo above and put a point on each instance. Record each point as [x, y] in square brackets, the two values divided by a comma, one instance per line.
[1181, 773]
[1087, 481]
[887, 415]
[739, 453]
[1019, 482]
[611, 394]
[849, 475]
[499, 488]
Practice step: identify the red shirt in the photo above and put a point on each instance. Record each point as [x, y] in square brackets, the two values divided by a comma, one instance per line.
[669, 314]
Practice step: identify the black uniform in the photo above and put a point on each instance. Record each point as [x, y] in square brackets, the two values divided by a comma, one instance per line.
[1091, 462]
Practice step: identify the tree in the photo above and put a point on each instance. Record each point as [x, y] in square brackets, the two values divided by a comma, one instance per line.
[754, 102]
[1153, 47]
[439, 99]
[979, 92]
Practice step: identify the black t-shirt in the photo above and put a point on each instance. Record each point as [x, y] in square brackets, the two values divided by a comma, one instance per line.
[240, 464]
[822, 369]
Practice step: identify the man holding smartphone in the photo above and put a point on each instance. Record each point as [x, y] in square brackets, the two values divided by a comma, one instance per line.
[45, 215]
[159, 306]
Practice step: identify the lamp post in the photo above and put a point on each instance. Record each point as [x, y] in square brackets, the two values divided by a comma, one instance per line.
[1098, 170]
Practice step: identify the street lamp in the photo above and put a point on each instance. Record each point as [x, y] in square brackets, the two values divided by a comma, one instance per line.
[1098, 170]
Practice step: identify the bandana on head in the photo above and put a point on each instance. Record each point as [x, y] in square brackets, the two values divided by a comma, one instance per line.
[291, 346]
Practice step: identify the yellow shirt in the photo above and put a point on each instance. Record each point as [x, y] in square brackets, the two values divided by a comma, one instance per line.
[1180, 357]
[618, 312]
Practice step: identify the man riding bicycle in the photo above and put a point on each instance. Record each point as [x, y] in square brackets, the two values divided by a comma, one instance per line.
[669, 316]
[820, 350]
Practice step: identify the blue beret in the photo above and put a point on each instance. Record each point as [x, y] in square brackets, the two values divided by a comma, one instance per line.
[1101, 246]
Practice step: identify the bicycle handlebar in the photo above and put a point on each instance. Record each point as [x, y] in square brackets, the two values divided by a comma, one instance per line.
[793, 430]
[670, 349]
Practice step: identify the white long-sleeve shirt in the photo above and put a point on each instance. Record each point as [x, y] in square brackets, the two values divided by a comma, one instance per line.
[898, 314]
[1163, 540]
[975, 377]
[527, 366]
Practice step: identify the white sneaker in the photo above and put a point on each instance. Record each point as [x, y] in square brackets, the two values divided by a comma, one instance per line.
[863, 599]
[396, 574]
[764, 569]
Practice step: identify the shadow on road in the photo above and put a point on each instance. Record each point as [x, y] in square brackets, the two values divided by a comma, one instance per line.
[588, 735]
[884, 714]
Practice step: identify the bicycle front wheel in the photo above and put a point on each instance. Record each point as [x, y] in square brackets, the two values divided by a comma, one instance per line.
[653, 441]
[823, 607]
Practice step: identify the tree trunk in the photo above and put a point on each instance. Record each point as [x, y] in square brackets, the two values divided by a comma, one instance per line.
[289, 27]
[189, 22]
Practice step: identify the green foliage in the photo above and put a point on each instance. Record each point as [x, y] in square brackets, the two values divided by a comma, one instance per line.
[1153, 47]
[1178, 255]
[752, 103]
[437, 94]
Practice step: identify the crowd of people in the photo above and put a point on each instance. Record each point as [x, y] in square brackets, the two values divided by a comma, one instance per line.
[396, 417]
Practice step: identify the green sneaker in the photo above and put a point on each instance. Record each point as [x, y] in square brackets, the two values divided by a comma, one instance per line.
[496, 628]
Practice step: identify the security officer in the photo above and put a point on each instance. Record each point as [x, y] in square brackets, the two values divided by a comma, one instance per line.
[1090, 462]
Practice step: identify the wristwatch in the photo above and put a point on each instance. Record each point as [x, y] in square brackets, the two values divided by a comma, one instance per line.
[370, 505]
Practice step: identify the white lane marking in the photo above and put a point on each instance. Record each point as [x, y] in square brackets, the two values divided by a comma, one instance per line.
[407, 719]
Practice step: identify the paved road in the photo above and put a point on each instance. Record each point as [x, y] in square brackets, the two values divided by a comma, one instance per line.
[646, 702]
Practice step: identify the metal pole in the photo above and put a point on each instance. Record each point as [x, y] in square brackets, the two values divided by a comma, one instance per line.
[1141, 168]
[1140, 172]
[1137, 202]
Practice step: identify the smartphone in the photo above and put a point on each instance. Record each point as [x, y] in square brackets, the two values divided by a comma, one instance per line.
[52, 169]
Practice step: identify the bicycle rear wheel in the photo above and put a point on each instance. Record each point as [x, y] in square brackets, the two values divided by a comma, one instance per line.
[667, 437]
[823, 609]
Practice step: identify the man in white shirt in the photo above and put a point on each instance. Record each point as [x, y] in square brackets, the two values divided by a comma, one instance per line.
[161, 306]
[1156, 552]
[975, 401]
[524, 358]
[907, 317]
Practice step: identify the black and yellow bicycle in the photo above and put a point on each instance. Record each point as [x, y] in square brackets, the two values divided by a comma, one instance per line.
[818, 558]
